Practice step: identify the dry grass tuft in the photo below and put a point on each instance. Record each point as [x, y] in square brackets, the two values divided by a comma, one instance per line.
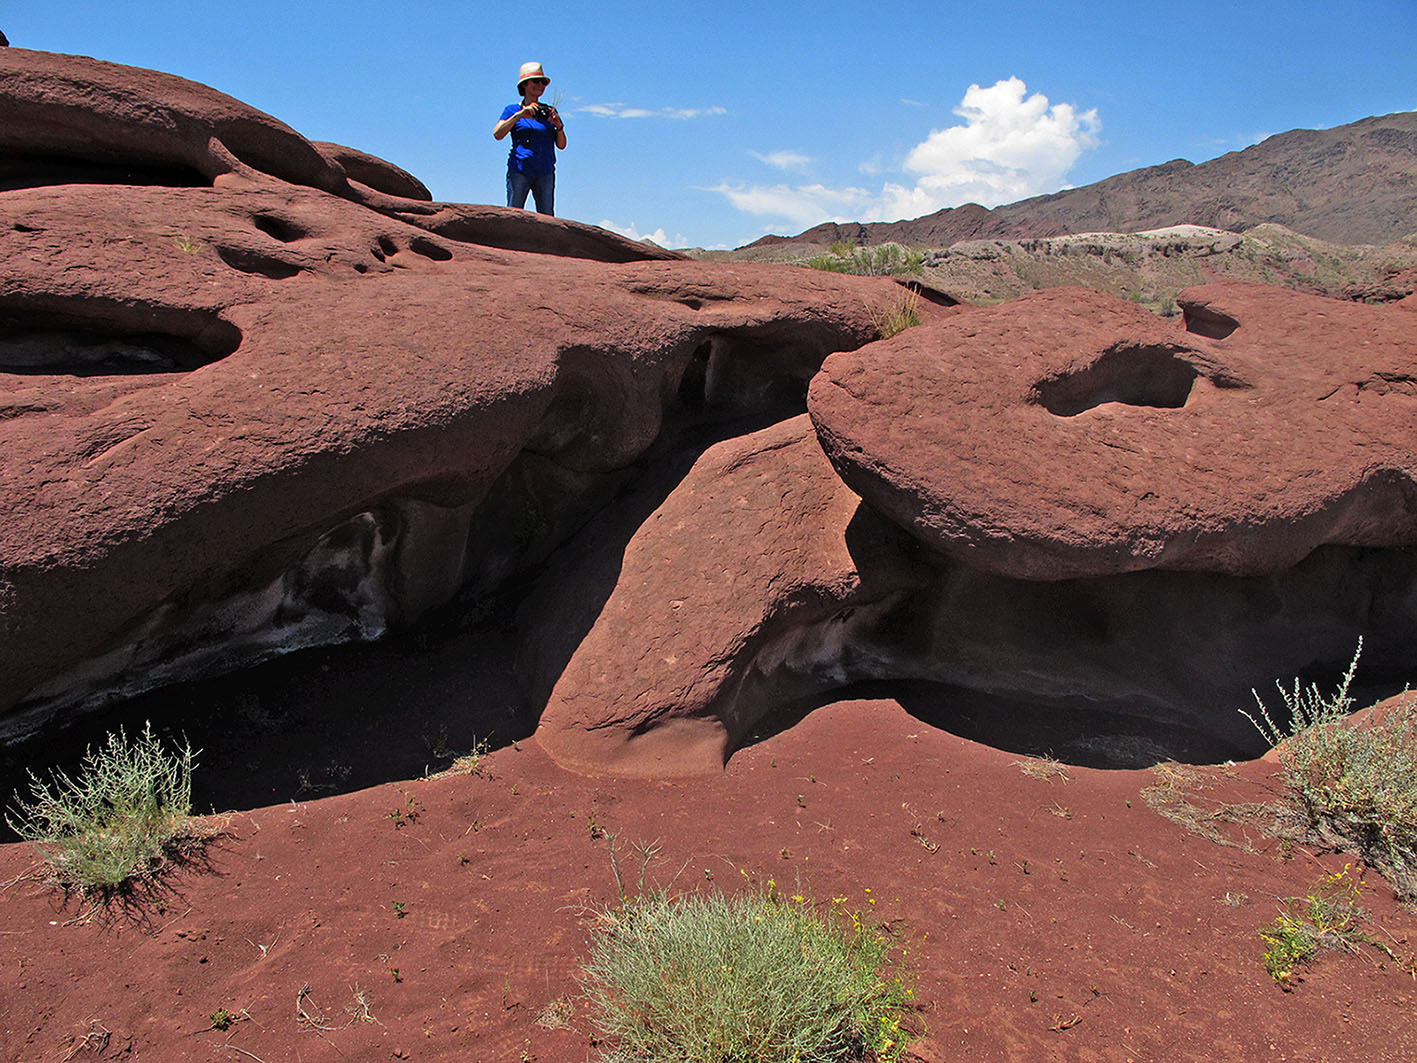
[705, 978]
[122, 819]
[896, 315]
[1043, 768]
[1177, 795]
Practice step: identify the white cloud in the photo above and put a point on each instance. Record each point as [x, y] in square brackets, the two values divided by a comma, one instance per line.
[783, 160]
[805, 205]
[1010, 146]
[691, 112]
[621, 110]
[657, 237]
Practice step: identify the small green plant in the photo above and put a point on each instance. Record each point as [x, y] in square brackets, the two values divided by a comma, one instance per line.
[1352, 784]
[1328, 916]
[187, 245]
[407, 813]
[122, 817]
[707, 978]
[221, 1019]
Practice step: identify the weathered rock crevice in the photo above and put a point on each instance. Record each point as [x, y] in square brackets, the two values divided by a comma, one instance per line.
[602, 424]
[1181, 649]
[338, 591]
[79, 352]
[20, 170]
[93, 338]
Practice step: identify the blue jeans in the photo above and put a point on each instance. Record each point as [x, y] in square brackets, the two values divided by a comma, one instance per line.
[542, 188]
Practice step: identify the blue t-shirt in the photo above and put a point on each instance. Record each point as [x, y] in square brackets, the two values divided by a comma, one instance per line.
[533, 145]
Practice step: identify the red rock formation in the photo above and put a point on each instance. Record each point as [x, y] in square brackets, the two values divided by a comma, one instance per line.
[1119, 518]
[257, 393]
[242, 410]
[747, 587]
[1069, 434]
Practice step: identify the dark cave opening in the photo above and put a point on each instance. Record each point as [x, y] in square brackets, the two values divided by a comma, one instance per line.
[20, 170]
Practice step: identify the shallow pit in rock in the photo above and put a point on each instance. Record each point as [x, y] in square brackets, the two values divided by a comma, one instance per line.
[1153, 376]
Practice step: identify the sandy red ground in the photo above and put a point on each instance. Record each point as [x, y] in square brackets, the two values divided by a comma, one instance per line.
[1050, 918]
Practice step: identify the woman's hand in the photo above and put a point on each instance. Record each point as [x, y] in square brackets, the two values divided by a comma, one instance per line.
[502, 128]
[559, 128]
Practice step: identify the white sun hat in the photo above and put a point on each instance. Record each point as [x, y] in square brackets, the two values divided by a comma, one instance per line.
[529, 71]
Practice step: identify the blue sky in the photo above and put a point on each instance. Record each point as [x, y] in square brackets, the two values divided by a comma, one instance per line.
[710, 124]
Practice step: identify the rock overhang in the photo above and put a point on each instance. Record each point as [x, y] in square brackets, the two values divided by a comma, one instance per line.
[1068, 434]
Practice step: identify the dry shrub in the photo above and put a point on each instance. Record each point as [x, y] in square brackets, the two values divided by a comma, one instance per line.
[897, 314]
[1354, 784]
[121, 818]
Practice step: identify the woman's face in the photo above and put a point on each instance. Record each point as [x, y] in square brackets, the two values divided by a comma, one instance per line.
[532, 89]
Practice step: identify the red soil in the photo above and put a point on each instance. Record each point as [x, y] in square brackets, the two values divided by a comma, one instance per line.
[1052, 918]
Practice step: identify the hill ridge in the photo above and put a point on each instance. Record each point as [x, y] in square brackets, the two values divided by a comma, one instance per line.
[1353, 184]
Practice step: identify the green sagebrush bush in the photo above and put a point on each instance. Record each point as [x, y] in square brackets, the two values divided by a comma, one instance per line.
[883, 260]
[1354, 784]
[120, 818]
[752, 978]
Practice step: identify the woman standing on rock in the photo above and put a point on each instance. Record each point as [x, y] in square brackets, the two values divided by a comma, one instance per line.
[537, 132]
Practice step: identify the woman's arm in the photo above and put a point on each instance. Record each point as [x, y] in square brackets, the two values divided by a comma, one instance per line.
[502, 128]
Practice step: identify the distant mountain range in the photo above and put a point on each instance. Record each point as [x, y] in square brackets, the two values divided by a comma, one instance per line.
[1355, 184]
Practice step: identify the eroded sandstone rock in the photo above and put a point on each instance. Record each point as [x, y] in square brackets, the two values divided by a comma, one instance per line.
[1115, 518]
[257, 393]
[758, 581]
[1069, 434]
[259, 409]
